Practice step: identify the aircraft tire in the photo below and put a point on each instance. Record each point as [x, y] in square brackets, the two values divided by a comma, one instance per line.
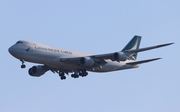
[75, 76]
[23, 66]
[63, 77]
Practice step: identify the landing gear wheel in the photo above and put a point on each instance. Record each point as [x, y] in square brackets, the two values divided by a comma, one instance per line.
[75, 76]
[63, 77]
[72, 75]
[84, 74]
[81, 74]
[61, 74]
[23, 66]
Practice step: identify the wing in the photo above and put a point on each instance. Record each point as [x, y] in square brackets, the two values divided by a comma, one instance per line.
[147, 48]
[143, 61]
[99, 60]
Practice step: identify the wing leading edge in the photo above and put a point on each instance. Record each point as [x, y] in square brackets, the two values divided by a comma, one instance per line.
[148, 48]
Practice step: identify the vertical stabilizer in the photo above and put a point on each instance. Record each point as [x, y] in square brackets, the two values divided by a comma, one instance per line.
[133, 45]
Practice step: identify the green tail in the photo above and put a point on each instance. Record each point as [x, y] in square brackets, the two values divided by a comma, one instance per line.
[133, 45]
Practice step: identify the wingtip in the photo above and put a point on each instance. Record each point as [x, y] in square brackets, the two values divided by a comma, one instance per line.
[171, 43]
[158, 58]
[163, 45]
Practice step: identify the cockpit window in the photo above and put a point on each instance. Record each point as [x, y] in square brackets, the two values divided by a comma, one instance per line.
[19, 42]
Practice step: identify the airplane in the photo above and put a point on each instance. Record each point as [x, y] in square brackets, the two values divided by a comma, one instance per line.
[63, 61]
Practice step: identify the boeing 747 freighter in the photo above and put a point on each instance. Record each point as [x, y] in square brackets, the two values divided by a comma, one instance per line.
[63, 61]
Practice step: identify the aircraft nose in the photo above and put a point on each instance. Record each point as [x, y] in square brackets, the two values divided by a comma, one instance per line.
[11, 50]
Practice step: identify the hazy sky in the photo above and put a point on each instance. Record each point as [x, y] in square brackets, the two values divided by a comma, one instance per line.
[96, 27]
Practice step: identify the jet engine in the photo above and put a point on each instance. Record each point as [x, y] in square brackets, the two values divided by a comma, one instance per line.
[119, 56]
[37, 71]
[86, 61]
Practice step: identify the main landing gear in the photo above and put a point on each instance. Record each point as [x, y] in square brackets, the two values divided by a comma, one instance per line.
[81, 73]
[62, 76]
[75, 75]
[23, 65]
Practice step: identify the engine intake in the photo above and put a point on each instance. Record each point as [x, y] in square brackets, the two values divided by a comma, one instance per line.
[37, 71]
[86, 61]
[120, 56]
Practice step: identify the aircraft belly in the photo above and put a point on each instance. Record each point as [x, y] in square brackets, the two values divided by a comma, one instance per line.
[61, 65]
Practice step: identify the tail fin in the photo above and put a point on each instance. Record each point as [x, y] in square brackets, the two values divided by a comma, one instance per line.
[133, 45]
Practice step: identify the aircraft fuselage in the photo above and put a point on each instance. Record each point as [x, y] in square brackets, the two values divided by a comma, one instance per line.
[42, 54]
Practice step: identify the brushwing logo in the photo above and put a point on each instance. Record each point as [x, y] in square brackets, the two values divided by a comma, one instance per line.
[135, 45]
[28, 49]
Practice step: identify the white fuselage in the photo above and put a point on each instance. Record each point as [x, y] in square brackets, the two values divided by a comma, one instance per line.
[42, 54]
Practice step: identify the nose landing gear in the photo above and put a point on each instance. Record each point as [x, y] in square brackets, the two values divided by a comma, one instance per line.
[23, 65]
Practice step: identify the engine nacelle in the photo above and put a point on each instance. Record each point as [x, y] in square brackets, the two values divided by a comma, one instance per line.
[120, 56]
[86, 61]
[37, 71]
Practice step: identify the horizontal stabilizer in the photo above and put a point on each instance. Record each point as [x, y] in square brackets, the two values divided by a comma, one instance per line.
[143, 61]
[147, 48]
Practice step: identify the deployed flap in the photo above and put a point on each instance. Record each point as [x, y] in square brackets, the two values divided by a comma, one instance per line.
[143, 61]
